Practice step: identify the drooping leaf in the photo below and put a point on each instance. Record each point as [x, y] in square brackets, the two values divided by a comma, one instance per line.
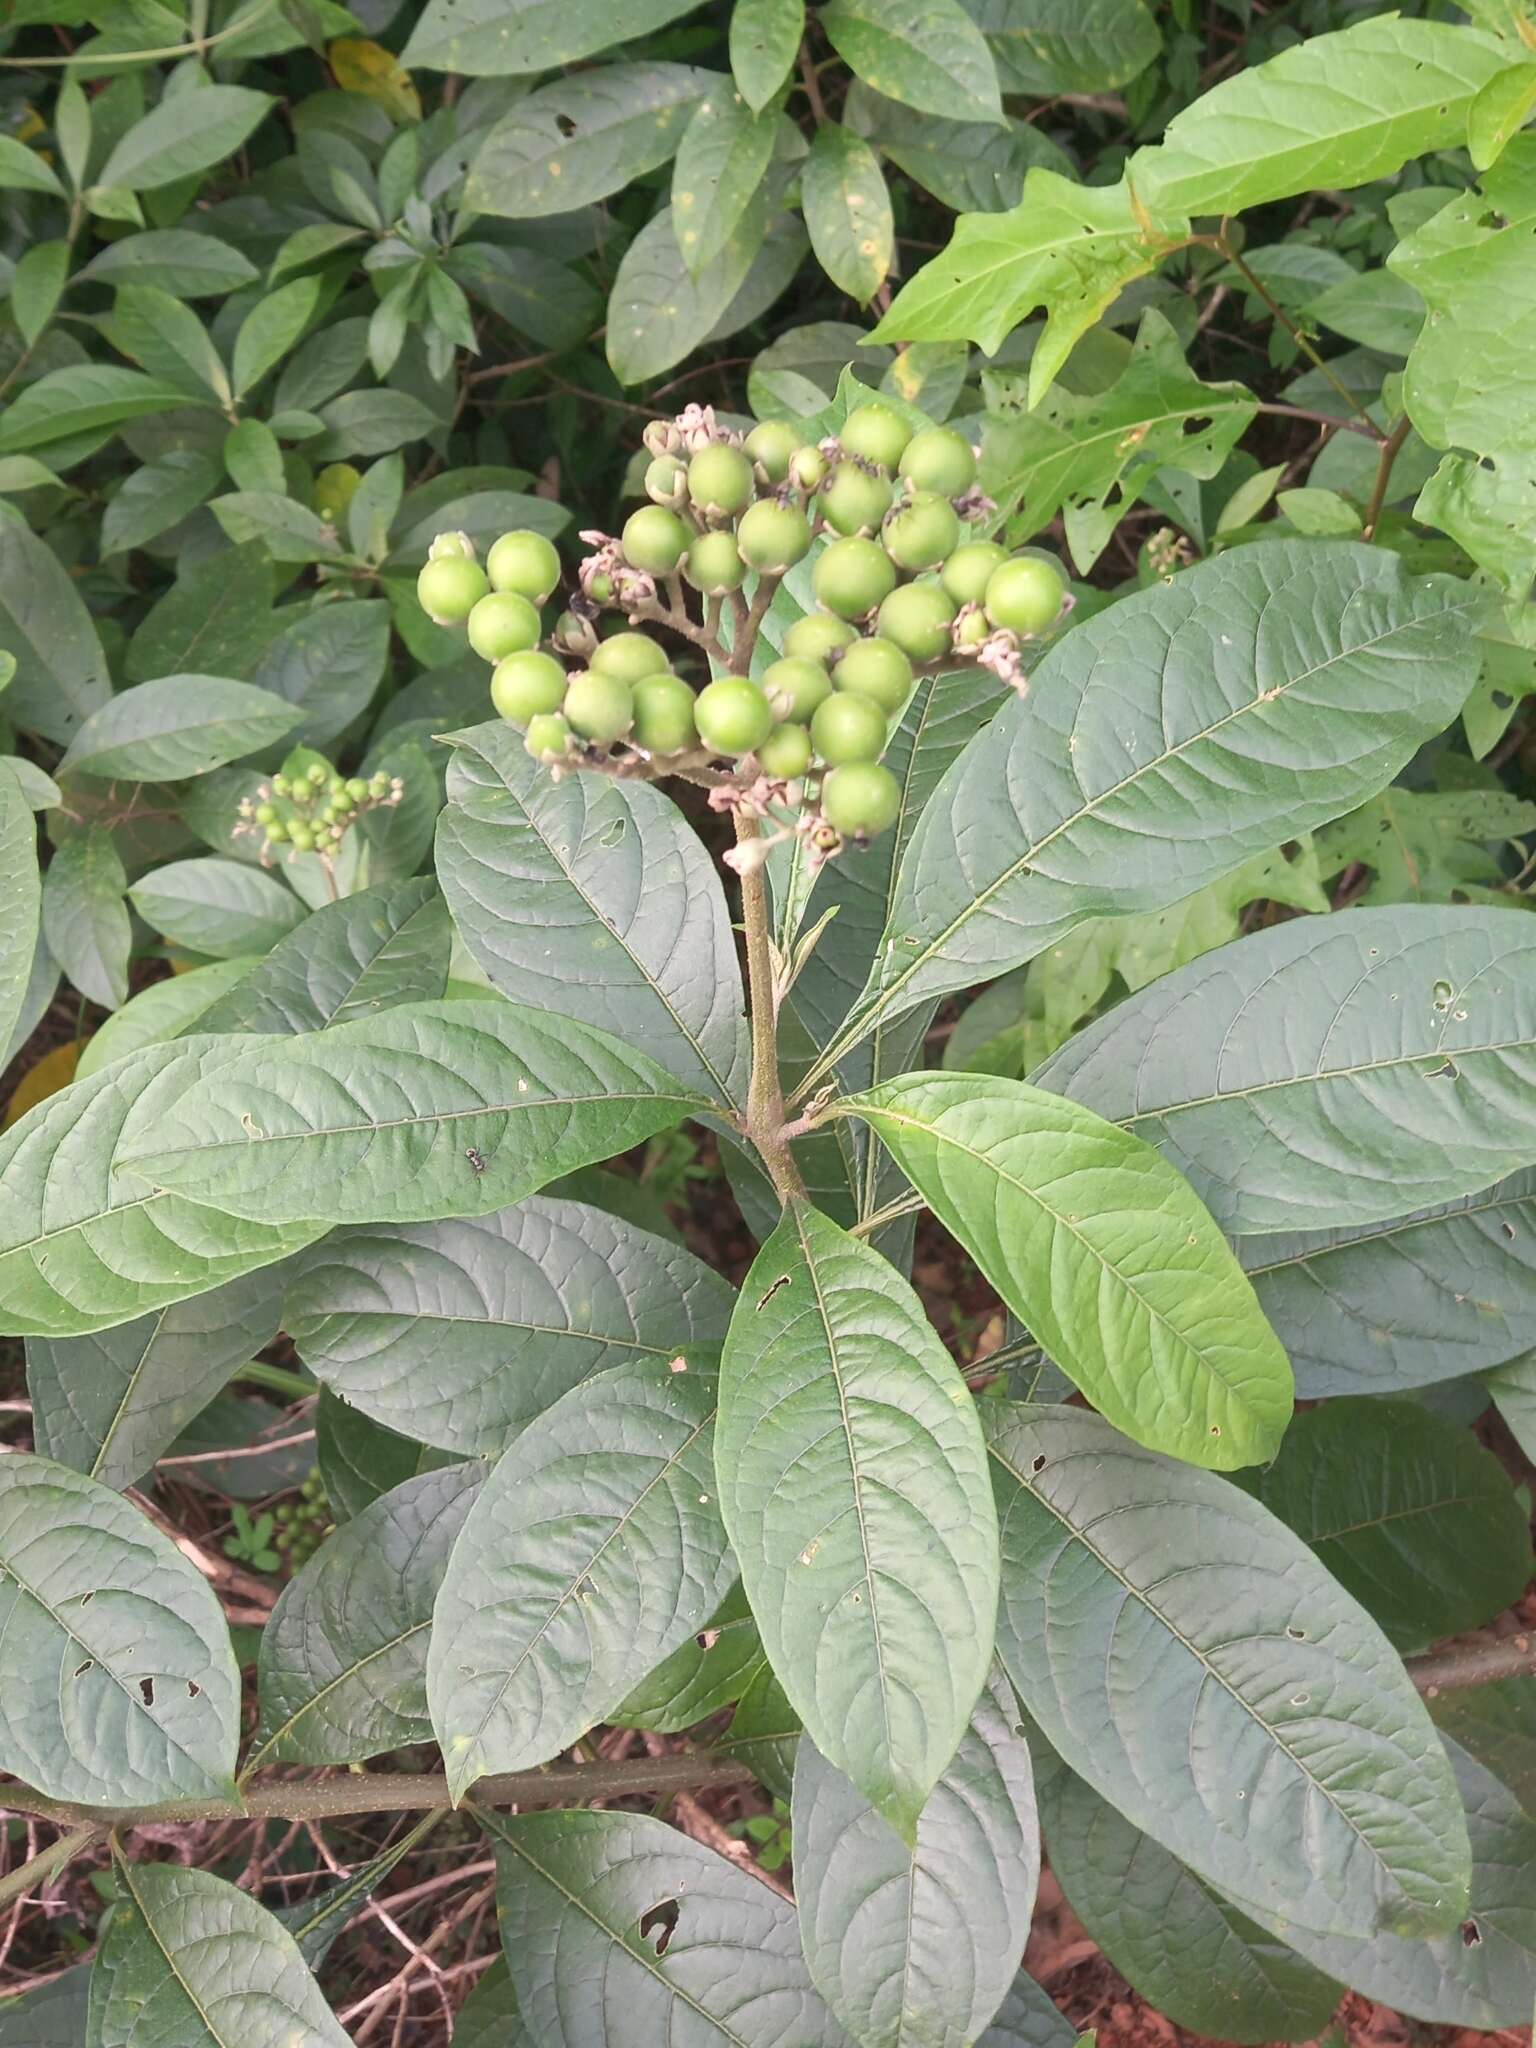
[177, 727]
[20, 900]
[848, 211]
[461, 1333]
[578, 139]
[492, 39]
[121, 1686]
[61, 671]
[1282, 1752]
[849, 1466]
[220, 907]
[928, 53]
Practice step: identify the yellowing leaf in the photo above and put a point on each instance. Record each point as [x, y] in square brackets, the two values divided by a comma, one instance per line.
[368, 68]
[55, 1070]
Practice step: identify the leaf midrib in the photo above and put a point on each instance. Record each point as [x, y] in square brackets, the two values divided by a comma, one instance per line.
[1397, 1227]
[342, 1678]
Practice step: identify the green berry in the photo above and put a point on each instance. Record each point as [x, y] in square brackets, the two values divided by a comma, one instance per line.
[734, 717]
[378, 785]
[450, 543]
[599, 706]
[600, 589]
[525, 684]
[786, 752]
[664, 479]
[664, 722]
[918, 618]
[280, 785]
[449, 589]
[818, 636]
[720, 481]
[549, 737]
[852, 576]
[773, 537]
[848, 728]
[714, 564]
[301, 838]
[922, 532]
[973, 629]
[939, 459]
[1024, 595]
[654, 540]
[357, 789]
[341, 802]
[523, 562]
[794, 687]
[772, 446]
[317, 775]
[854, 500]
[265, 814]
[629, 656]
[335, 488]
[875, 433]
[969, 569]
[860, 799]
[277, 832]
[503, 624]
[807, 468]
[878, 669]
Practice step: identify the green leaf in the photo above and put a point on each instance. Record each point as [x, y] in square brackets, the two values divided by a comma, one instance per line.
[215, 619]
[20, 900]
[765, 38]
[271, 329]
[968, 165]
[371, 423]
[155, 498]
[1514, 1395]
[177, 727]
[1335, 110]
[161, 1012]
[37, 286]
[850, 1470]
[595, 1549]
[187, 1958]
[85, 921]
[344, 1656]
[1165, 742]
[1409, 1512]
[578, 139]
[188, 132]
[1499, 112]
[657, 313]
[1487, 507]
[592, 898]
[578, 1895]
[316, 1921]
[1189, 1952]
[121, 1687]
[1376, 309]
[52, 2016]
[289, 531]
[1321, 1076]
[1425, 845]
[109, 1405]
[927, 53]
[489, 2017]
[722, 160]
[1282, 1753]
[1383, 1307]
[384, 1120]
[328, 663]
[360, 1460]
[1095, 454]
[1060, 46]
[461, 1334]
[169, 341]
[190, 266]
[82, 1248]
[508, 38]
[1103, 1251]
[709, 1672]
[848, 211]
[917, 1948]
[1029, 2019]
[25, 170]
[219, 907]
[61, 671]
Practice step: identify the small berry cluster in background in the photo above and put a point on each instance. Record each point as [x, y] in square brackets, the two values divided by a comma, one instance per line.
[311, 811]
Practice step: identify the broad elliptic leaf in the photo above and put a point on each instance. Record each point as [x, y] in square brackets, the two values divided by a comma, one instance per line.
[81, 399]
[1379, 1308]
[328, 664]
[343, 1659]
[595, 1550]
[348, 960]
[765, 37]
[578, 139]
[657, 312]
[20, 900]
[82, 1246]
[721, 161]
[927, 53]
[188, 1959]
[917, 1948]
[460, 1333]
[1325, 1075]
[1410, 1513]
[971, 166]
[360, 1460]
[85, 921]
[593, 898]
[109, 1404]
[618, 1928]
[509, 38]
[1059, 46]
[61, 671]
[1188, 1655]
[1166, 741]
[852, 1479]
[221, 907]
[177, 727]
[121, 1686]
[184, 134]
[161, 1011]
[710, 1671]
[848, 211]
[1101, 1248]
[434, 1110]
[1189, 1952]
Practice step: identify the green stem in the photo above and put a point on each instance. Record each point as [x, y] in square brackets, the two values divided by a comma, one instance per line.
[39, 1868]
[200, 48]
[765, 1094]
[1390, 449]
[278, 1380]
[1278, 311]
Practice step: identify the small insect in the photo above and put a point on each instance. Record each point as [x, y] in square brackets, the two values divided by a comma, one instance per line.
[476, 1159]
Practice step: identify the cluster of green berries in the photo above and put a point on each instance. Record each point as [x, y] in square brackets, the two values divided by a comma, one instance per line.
[303, 1524]
[899, 587]
[311, 810]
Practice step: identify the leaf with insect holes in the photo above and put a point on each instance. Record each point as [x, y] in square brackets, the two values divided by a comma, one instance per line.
[576, 140]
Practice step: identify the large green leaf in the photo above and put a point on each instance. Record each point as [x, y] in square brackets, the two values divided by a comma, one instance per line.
[460, 1333]
[711, 1671]
[121, 1687]
[20, 899]
[190, 1960]
[111, 1403]
[1408, 1511]
[578, 139]
[343, 1658]
[617, 1928]
[917, 1948]
[186, 133]
[434, 1110]
[80, 399]
[852, 1480]
[1379, 1308]
[221, 907]
[161, 1011]
[1166, 741]
[1028, 2018]
[328, 664]
[61, 671]
[1328, 1074]
[508, 38]
[657, 311]
[83, 1247]
[1191, 1658]
[360, 1460]
[968, 165]
[1104, 1252]
[1060, 46]
[85, 920]
[595, 1550]
[765, 36]
[593, 898]
[721, 161]
[848, 211]
[179, 726]
[927, 53]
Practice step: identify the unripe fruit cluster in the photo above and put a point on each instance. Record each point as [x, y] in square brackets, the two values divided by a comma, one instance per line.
[312, 809]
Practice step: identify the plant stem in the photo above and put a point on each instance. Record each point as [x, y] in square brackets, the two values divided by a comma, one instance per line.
[765, 1094]
[1389, 453]
[277, 1379]
[1455, 1667]
[1225, 248]
[39, 1868]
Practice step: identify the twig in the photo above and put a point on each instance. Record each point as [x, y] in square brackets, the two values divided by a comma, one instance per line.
[1480, 1660]
[1255, 284]
[39, 1868]
[703, 1827]
[1389, 454]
